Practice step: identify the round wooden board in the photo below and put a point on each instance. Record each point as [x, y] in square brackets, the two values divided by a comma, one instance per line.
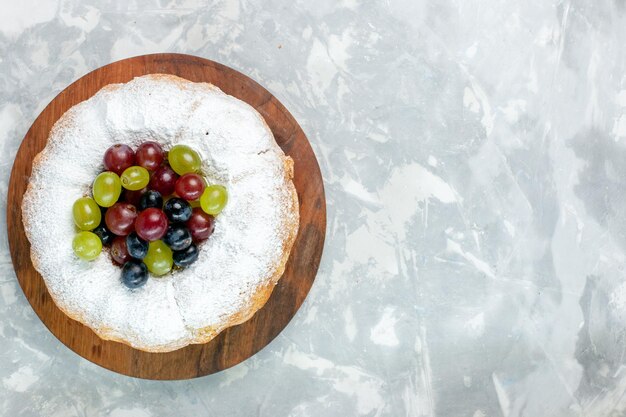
[235, 344]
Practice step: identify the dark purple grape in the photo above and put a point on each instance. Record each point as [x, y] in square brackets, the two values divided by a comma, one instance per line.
[134, 274]
[105, 235]
[137, 247]
[186, 257]
[177, 237]
[151, 199]
[177, 210]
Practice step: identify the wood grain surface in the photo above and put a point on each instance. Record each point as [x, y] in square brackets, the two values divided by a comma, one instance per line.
[235, 344]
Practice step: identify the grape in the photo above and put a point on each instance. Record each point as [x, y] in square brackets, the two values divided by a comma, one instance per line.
[163, 180]
[183, 159]
[186, 257]
[120, 218]
[87, 245]
[86, 213]
[119, 250]
[104, 234]
[151, 224]
[149, 155]
[118, 157]
[106, 189]
[190, 186]
[135, 178]
[137, 247]
[134, 197]
[214, 199]
[177, 237]
[151, 199]
[177, 210]
[134, 274]
[201, 225]
[159, 258]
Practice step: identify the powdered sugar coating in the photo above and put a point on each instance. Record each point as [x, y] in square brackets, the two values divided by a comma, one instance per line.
[244, 257]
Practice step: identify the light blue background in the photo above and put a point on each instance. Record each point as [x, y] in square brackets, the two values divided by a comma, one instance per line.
[474, 157]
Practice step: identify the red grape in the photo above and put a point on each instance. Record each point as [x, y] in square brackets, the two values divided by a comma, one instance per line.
[200, 224]
[149, 155]
[164, 180]
[120, 218]
[118, 157]
[151, 224]
[119, 250]
[190, 186]
[133, 197]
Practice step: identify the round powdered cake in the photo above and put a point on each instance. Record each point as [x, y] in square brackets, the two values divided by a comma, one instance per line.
[238, 265]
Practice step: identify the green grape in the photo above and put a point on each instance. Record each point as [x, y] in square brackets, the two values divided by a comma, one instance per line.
[213, 199]
[87, 245]
[159, 258]
[107, 188]
[183, 159]
[86, 213]
[135, 178]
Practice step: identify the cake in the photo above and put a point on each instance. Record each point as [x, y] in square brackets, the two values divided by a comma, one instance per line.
[236, 268]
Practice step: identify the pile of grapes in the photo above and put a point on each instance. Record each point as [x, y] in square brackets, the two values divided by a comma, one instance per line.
[151, 207]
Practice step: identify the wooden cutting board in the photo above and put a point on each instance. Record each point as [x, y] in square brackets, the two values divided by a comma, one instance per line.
[235, 344]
